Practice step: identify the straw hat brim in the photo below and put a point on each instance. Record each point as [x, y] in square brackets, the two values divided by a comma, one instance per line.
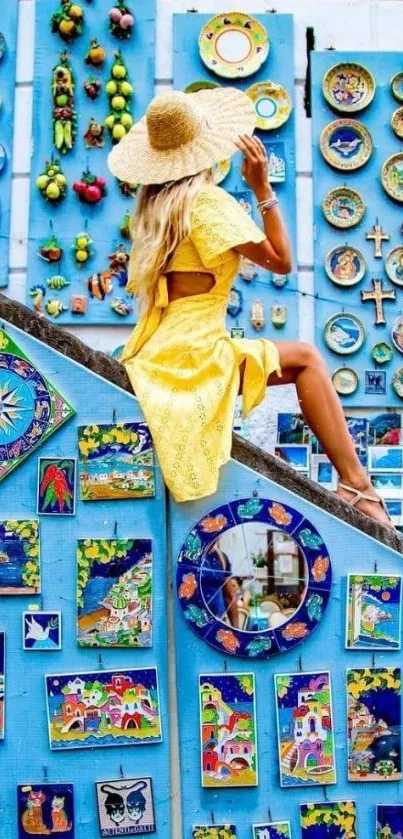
[229, 113]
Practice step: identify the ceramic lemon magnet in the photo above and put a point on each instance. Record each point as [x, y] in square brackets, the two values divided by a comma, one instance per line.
[343, 207]
[344, 334]
[346, 144]
[233, 45]
[272, 103]
[345, 381]
[345, 265]
[392, 176]
[348, 87]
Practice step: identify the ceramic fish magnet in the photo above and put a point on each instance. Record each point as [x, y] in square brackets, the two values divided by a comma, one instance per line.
[57, 282]
[99, 285]
[55, 308]
[258, 318]
[278, 315]
[79, 304]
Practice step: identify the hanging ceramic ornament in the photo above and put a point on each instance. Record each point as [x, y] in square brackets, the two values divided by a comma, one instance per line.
[345, 381]
[92, 88]
[99, 285]
[96, 55]
[82, 248]
[257, 318]
[235, 302]
[51, 250]
[396, 85]
[397, 333]
[345, 266]
[68, 22]
[63, 112]
[78, 304]
[392, 176]
[348, 87]
[233, 45]
[343, 207]
[120, 91]
[55, 308]
[397, 382]
[377, 236]
[38, 293]
[272, 104]
[121, 20]
[280, 280]
[125, 225]
[382, 353]
[121, 306]
[397, 123]
[278, 315]
[94, 135]
[57, 282]
[119, 263]
[90, 189]
[344, 334]
[394, 265]
[346, 144]
[377, 296]
[247, 269]
[52, 183]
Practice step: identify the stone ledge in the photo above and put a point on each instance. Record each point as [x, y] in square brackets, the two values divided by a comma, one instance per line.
[246, 453]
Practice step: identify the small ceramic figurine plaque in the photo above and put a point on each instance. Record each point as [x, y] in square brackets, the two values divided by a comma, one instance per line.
[272, 830]
[19, 557]
[389, 821]
[114, 592]
[116, 462]
[216, 831]
[56, 486]
[228, 730]
[373, 616]
[2, 681]
[45, 810]
[104, 708]
[126, 807]
[41, 631]
[305, 729]
[374, 724]
[329, 820]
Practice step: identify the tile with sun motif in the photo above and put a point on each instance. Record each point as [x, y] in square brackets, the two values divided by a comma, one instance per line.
[31, 409]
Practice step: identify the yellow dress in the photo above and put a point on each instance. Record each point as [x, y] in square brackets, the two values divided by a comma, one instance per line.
[181, 361]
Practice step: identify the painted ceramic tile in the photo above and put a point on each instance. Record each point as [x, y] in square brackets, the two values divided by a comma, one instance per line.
[395, 510]
[323, 472]
[389, 821]
[296, 456]
[105, 708]
[385, 458]
[19, 557]
[358, 429]
[272, 830]
[2, 682]
[276, 153]
[42, 631]
[292, 428]
[388, 484]
[114, 593]
[116, 462]
[217, 831]
[385, 429]
[374, 724]
[305, 729]
[45, 809]
[126, 807]
[56, 486]
[244, 198]
[329, 820]
[373, 616]
[228, 730]
[31, 409]
[375, 382]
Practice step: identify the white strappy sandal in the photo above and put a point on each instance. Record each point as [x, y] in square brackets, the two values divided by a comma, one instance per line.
[362, 496]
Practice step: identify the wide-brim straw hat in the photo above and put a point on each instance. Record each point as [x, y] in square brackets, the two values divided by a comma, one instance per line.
[182, 134]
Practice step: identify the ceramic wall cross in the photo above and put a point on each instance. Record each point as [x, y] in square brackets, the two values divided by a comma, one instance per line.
[377, 296]
[378, 236]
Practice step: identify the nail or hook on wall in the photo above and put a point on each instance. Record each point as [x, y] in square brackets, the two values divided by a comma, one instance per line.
[115, 530]
[122, 774]
[269, 814]
[373, 659]
[225, 665]
[300, 663]
[375, 567]
[100, 662]
[45, 774]
[212, 817]
[325, 794]
[114, 416]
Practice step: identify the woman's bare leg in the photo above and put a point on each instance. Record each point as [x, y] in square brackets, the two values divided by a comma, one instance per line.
[303, 366]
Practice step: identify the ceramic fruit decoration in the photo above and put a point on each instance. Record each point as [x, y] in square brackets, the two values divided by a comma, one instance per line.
[120, 91]
[92, 88]
[82, 248]
[118, 264]
[125, 225]
[57, 282]
[68, 22]
[121, 20]
[55, 308]
[64, 114]
[94, 135]
[96, 54]
[127, 190]
[90, 188]
[51, 250]
[52, 183]
[38, 292]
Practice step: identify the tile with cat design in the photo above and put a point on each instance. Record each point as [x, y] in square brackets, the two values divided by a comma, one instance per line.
[45, 809]
[126, 807]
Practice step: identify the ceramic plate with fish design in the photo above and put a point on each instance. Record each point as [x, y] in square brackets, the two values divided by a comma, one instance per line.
[343, 207]
[396, 85]
[345, 265]
[344, 334]
[272, 103]
[233, 45]
[348, 87]
[397, 333]
[394, 265]
[397, 122]
[346, 144]
[392, 176]
[345, 381]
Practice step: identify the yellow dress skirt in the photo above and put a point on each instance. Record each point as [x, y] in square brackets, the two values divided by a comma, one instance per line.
[182, 363]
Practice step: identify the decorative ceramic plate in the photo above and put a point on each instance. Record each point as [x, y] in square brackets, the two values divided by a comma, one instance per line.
[272, 103]
[194, 87]
[394, 265]
[2, 45]
[397, 382]
[382, 353]
[343, 207]
[397, 333]
[348, 87]
[397, 86]
[397, 123]
[345, 265]
[392, 176]
[345, 381]
[3, 157]
[346, 144]
[233, 45]
[221, 170]
[344, 333]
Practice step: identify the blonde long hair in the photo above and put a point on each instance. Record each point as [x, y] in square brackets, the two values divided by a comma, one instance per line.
[161, 222]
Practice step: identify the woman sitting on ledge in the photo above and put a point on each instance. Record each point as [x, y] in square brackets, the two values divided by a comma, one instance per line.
[188, 238]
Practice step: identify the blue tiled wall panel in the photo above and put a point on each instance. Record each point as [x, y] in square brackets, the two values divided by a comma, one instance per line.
[7, 92]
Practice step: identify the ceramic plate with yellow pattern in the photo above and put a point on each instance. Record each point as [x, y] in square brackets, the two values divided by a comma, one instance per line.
[348, 87]
[392, 176]
[233, 45]
[272, 103]
[397, 122]
[221, 170]
[343, 207]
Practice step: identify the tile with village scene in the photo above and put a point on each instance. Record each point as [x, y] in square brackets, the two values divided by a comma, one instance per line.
[374, 724]
[116, 462]
[373, 614]
[389, 821]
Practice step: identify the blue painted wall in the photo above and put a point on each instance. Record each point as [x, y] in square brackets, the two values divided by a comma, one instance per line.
[70, 216]
[7, 82]
[331, 298]
[279, 68]
[25, 750]
[349, 551]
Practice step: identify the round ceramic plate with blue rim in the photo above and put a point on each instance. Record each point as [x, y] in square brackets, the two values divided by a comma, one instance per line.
[345, 265]
[343, 207]
[221, 170]
[382, 352]
[396, 85]
[345, 381]
[344, 334]
[272, 103]
[229, 589]
[392, 176]
[348, 87]
[233, 45]
[397, 382]
[346, 144]
[397, 333]
[394, 265]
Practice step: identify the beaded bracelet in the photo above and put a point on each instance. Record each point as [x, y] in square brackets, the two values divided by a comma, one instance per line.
[265, 206]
